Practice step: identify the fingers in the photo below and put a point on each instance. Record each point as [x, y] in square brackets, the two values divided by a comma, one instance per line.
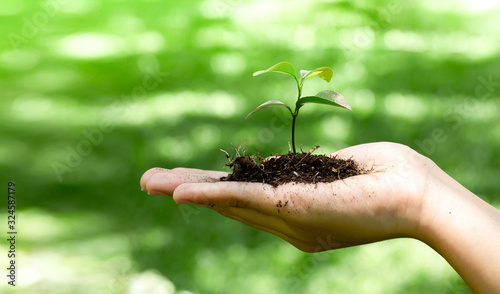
[158, 181]
[253, 204]
[250, 203]
[181, 170]
[148, 174]
[201, 172]
[227, 194]
[276, 223]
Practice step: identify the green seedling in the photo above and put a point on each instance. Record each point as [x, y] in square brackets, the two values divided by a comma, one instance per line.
[327, 97]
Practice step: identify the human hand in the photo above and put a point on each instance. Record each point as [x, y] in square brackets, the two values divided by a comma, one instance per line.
[404, 195]
[381, 204]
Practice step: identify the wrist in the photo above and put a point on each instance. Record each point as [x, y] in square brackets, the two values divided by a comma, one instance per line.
[441, 197]
[462, 228]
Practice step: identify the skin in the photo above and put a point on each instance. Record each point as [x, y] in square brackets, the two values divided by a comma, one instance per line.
[404, 195]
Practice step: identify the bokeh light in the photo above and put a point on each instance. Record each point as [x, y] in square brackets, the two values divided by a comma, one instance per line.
[95, 93]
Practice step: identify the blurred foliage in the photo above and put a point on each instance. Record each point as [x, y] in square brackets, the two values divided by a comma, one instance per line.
[95, 93]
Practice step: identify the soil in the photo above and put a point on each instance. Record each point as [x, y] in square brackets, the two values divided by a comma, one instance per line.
[300, 168]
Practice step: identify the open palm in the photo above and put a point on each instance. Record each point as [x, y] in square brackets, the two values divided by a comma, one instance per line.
[313, 217]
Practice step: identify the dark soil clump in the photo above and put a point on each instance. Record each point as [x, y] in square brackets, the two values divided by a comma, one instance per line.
[299, 168]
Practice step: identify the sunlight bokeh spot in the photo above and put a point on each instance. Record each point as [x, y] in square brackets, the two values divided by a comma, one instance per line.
[353, 71]
[219, 37]
[178, 149]
[19, 60]
[222, 104]
[360, 38]
[172, 107]
[406, 107]
[76, 6]
[407, 68]
[335, 128]
[150, 282]
[463, 6]
[156, 238]
[478, 6]
[126, 24]
[407, 41]
[30, 107]
[90, 45]
[46, 112]
[228, 63]
[215, 8]
[148, 42]
[442, 43]
[206, 136]
[304, 38]
[50, 79]
[41, 225]
[362, 101]
[246, 12]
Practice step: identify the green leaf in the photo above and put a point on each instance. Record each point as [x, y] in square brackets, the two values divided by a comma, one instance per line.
[268, 104]
[325, 73]
[282, 67]
[325, 97]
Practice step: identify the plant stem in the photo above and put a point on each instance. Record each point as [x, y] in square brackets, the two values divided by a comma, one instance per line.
[294, 116]
[300, 90]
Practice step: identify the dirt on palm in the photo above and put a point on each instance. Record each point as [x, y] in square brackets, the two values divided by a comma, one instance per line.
[300, 168]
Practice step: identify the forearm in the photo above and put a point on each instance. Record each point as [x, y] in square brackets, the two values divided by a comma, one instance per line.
[465, 230]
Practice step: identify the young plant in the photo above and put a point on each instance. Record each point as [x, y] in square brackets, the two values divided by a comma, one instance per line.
[324, 97]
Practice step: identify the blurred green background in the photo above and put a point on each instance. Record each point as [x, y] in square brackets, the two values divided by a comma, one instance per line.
[94, 93]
